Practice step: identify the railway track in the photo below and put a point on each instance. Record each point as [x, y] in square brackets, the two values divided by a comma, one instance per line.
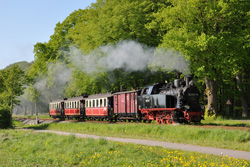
[108, 122]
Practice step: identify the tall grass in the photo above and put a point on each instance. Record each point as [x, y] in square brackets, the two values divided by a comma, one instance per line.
[225, 122]
[221, 138]
[24, 148]
[31, 116]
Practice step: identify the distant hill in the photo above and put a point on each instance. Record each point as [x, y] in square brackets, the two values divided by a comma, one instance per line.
[24, 65]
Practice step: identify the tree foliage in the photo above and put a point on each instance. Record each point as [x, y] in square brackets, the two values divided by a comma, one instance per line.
[13, 82]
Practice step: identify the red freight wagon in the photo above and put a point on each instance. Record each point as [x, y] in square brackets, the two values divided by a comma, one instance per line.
[56, 108]
[99, 106]
[74, 107]
[125, 105]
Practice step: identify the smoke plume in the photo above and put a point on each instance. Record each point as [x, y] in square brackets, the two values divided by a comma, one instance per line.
[130, 56]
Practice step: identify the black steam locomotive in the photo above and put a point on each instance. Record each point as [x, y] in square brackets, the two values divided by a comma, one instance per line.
[171, 102]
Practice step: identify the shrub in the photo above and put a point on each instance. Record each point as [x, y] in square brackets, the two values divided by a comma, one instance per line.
[4, 118]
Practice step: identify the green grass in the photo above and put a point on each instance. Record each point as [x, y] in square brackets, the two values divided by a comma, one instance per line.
[31, 116]
[226, 122]
[215, 137]
[26, 148]
[209, 121]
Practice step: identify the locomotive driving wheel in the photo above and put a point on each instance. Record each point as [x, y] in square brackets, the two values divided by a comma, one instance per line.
[168, 119]
[158, 119]
[163, 121]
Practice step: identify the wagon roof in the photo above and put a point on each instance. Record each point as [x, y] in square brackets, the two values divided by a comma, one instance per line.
[57, 100]
[75, 98]
[133, 91]
[97, 96]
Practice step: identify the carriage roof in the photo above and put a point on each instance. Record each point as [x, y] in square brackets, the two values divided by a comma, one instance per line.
[75, 99]
[99, 96]
[57, 101]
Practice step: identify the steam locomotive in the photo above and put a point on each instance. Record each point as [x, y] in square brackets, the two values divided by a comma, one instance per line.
[167, 103]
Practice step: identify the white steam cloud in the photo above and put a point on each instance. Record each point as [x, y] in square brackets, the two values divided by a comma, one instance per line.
[130, 56]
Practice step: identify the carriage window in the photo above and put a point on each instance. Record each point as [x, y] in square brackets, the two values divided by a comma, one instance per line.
[101, 104]
[90, 104]
[97, 103]
[105, 102]
[145, 91]
[93, 103]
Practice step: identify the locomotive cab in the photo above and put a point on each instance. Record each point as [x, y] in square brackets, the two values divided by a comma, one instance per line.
[151, 97]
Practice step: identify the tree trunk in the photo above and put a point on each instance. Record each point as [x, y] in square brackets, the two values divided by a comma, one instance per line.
[243, 96]
[32, 109]
[24, 108]
[234, 100]
[36, 111]
[212, 99]
[11, 107]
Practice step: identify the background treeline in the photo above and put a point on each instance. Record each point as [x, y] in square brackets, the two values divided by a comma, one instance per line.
[214, 36]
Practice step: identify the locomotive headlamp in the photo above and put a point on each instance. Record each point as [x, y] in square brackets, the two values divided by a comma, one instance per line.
[187, 107]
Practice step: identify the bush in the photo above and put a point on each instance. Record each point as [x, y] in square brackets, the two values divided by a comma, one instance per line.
[4, 118]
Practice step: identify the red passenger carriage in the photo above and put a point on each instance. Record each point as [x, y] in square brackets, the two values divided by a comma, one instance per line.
[99, 106]
[74, 107]
[56, 108]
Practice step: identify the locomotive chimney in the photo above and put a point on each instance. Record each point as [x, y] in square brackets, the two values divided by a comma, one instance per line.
[188, 78]
[177, 83]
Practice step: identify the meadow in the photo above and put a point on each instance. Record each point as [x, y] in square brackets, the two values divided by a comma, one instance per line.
[219, 121]
[212, 137]
[26, 148]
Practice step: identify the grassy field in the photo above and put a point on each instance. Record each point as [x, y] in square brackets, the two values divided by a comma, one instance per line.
[215, 137]
[26, 148]
[226, 122]
[210, 121]
[31, 116]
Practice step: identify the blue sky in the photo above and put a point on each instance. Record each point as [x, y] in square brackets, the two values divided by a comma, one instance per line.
[24, 23]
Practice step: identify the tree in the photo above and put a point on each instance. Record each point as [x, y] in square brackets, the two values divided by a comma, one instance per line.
[14, 80]
[205, 32]
[32, 94]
